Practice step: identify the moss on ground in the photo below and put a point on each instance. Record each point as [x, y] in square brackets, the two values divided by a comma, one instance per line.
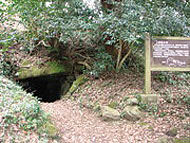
[78, 82]
[55, 67]
[182, 140]
[52, 131]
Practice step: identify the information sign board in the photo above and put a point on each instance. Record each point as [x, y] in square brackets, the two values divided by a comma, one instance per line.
[165, 54]
[170, 53]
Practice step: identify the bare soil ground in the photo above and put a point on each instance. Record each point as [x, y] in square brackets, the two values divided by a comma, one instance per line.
[81, 125]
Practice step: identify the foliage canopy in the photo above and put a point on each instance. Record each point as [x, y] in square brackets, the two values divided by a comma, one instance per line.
[75, 31]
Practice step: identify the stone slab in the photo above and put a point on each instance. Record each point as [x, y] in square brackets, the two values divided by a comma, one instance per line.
[149, 98]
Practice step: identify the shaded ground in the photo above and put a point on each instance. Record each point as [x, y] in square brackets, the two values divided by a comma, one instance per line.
[82, 125]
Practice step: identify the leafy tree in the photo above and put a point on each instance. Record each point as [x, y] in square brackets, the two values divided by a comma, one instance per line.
[72, 30]
[67, 28]
[126, 22]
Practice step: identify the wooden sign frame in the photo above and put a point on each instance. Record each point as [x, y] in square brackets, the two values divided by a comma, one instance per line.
[149, 67]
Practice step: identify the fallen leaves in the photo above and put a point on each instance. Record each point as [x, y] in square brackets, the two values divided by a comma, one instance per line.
[82, 125]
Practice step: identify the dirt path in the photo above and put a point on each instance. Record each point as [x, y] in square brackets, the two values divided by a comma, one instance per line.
[83, 126]
[78, 125]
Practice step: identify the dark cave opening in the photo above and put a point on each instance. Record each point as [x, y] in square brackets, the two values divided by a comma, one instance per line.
[47, 88]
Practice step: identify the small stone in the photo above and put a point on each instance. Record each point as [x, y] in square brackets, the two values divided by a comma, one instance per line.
[109, 113]
[187, 113]
[172, 132]
[132, 113]
[132, 101]
[86, 102]
[163, 140]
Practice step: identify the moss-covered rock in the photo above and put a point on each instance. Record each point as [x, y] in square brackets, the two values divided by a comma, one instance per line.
[33, 70]
[78, 82]
[109, 113]
[172, 132]
[132, 113]
[51, 129]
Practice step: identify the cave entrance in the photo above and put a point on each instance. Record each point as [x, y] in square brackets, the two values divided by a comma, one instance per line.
[47, 88]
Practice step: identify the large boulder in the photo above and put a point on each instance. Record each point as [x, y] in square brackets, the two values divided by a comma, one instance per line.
[28, 70]
[132, 113]
[109, 113]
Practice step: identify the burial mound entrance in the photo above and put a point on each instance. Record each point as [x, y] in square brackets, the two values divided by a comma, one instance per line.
[48, 88]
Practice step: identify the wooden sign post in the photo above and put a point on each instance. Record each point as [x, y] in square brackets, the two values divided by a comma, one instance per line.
[165, 54]
[147, 65]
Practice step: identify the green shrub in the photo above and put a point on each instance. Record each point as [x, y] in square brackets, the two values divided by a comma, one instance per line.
[18, 111]
[126, 22]
[56, 25]
[72, 31]
[103, 62]
[6, 67]
[173, 78]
